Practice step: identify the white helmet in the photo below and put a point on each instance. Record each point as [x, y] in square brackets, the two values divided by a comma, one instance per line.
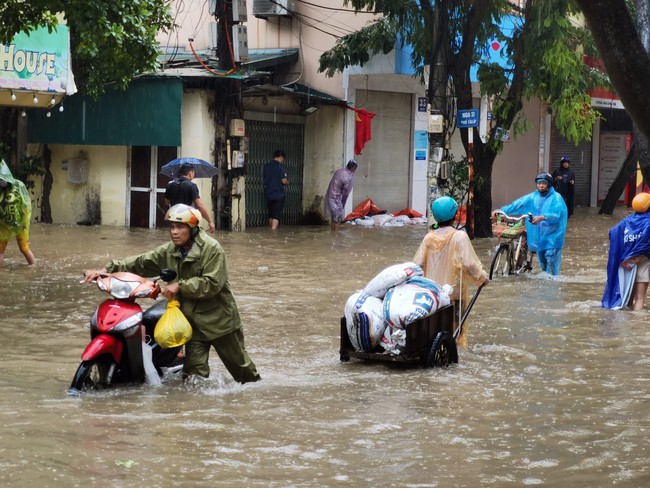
[184, 214]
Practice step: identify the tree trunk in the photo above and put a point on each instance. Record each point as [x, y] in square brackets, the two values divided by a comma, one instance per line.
[643, 28]
[46, 209]
[8, 125]
[483, 192]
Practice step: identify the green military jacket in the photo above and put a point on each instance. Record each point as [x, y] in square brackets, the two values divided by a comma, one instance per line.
[205, 295]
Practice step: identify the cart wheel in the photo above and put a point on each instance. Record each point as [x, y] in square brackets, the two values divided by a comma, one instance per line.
[344, 358]
[440, 351]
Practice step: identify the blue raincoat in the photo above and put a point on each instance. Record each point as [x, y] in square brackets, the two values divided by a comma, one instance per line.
[549, 233]
[629, 238]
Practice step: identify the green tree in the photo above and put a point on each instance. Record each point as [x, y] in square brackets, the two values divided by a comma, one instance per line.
[544, 51]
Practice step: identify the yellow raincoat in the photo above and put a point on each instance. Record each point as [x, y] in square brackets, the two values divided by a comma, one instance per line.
[445, 255]
[15, 208]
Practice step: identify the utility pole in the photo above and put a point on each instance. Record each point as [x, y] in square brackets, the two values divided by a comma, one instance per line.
[437, 94]
[223, 13]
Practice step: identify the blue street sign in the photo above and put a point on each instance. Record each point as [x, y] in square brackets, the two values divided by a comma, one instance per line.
[468, 118]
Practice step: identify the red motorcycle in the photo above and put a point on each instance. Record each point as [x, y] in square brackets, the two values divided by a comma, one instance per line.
[122, 336]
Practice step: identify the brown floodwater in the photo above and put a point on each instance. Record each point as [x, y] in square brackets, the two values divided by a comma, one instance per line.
[553, 390]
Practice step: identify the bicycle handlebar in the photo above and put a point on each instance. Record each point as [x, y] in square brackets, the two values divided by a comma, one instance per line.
[520, 218]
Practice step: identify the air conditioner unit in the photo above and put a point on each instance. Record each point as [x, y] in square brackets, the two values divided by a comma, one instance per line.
[272, 8]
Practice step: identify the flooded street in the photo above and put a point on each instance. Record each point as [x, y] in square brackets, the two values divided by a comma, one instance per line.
[553, 390]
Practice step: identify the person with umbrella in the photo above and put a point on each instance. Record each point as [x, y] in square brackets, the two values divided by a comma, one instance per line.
[184, 190]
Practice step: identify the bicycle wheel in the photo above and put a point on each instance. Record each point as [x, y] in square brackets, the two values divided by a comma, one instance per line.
[501, 262]
[523, 265]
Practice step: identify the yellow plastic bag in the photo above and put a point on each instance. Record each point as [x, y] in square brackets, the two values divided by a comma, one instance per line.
[172, 329]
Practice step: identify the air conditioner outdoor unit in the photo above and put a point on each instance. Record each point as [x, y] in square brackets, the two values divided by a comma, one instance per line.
[272, 8]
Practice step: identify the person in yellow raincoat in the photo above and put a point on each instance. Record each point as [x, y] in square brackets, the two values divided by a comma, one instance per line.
[15, 214]
[447, 257]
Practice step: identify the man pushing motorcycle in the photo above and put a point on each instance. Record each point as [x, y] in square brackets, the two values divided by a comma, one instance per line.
[203, 290]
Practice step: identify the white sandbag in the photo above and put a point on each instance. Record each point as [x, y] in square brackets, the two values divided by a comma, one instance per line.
[394, 223]
[365, 221]
[382, 219]
[419, 220]
[416, 298]
[365, 321]
[404, 219]
[390, 277]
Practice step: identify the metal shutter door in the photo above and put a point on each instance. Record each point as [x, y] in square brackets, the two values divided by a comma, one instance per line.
[580, 163]
[264, 138]
[383, 174]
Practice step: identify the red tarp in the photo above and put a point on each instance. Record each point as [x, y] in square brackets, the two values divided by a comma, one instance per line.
[367, 207]
[409, 212]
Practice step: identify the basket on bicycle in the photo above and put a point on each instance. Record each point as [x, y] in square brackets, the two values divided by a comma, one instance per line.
[508, 230]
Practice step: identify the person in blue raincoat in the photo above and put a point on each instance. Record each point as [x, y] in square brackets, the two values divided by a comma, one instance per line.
[546, 232]
[628, 264]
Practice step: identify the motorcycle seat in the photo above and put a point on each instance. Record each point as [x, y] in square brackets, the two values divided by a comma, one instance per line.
[152, 315]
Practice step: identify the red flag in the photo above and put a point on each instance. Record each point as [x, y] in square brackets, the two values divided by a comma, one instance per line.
[363, 128]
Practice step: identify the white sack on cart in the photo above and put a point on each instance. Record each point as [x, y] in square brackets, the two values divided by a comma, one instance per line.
[390, 277]
[410, 301]
[365, 321]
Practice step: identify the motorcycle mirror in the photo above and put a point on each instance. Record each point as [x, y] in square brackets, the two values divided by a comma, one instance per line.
[167, 275]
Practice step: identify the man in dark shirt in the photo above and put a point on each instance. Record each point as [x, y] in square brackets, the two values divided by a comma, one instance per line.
[275, 179]
[184, 190]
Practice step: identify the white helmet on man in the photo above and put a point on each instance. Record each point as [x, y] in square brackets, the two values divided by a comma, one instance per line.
[184, 214]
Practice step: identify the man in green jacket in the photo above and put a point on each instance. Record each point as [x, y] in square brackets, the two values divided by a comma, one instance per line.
[203, 290]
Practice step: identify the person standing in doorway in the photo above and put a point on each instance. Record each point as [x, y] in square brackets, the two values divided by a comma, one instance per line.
[564, 183]
[337, 193]
[275, 179]
[15, 214]
[184, 190]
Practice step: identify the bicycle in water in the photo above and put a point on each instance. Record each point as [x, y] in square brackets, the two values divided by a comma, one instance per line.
[512, 255]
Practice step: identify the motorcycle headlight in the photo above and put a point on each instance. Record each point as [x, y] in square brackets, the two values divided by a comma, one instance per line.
[122, 289]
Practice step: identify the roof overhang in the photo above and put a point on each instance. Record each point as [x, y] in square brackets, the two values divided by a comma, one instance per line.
[303, 92]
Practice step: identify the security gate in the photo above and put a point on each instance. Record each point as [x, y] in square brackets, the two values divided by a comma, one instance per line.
[264, 138]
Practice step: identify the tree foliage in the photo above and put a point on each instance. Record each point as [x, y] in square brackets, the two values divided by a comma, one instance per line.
[111, 41]
[625, 50]
[543, 57]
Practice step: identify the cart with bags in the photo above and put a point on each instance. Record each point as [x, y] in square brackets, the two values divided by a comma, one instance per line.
[430, 342]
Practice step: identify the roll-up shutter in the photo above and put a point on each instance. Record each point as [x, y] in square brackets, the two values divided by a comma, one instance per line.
[383, 174]
[264, 139]
[580, 156]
